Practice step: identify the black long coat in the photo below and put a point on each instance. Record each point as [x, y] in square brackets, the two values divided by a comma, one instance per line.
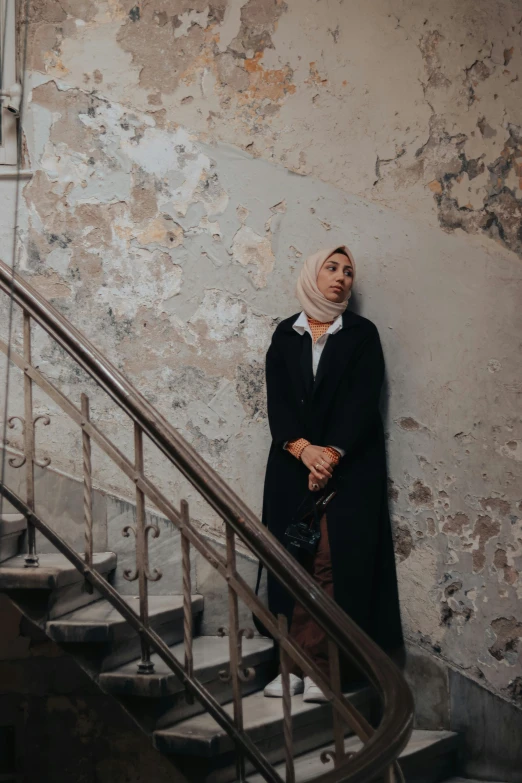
[341, 408]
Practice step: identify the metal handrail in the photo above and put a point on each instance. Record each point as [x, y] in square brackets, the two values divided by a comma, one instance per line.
[389, 739]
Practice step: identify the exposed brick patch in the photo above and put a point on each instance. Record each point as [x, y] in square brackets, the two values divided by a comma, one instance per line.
[502, 507]
[508, 632]
[421, 494]
[455, 524]
[485, 529]
[500, 561]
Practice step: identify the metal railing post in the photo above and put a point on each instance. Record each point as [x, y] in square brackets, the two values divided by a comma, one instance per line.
[235, 649]
[31, 558]
[335, 680]
[145, 666]
[187, 597]
[87, 482]
[287, 703]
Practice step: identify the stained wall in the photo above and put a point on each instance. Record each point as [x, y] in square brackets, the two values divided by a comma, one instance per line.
[188, 155]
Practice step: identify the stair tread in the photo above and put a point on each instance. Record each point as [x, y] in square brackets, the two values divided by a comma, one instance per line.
[12, 523]
[54, 571]
[309, 765]
[209, 652]
[102, 621]
[201, 734]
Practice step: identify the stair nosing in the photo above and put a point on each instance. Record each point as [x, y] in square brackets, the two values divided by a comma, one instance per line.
[11, 527]
[15, 576]
[445, 742]
[166, 683]
[113, 628]
[208, 743]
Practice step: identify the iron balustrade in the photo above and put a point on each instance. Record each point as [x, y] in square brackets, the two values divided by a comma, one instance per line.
[382, 746]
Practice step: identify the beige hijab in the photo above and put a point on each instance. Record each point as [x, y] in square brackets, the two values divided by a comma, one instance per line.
[313, 302]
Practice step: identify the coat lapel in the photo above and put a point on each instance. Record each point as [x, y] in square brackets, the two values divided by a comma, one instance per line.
[297, 350]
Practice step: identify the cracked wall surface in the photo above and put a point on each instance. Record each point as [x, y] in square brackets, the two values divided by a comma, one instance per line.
[187, 155]
[420, 102]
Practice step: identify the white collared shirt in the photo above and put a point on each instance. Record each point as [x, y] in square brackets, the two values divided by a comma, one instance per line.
[301, 326]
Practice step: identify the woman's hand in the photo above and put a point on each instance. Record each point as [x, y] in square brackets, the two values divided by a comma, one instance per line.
[314, 485]
[318, 463]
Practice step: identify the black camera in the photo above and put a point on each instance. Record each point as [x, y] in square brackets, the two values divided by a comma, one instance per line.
[302, 537]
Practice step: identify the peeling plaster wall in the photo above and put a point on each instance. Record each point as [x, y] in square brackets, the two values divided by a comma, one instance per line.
[420, 102]
[188, 154]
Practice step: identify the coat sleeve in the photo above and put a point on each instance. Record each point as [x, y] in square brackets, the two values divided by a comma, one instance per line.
[356, 407]
[283, 417]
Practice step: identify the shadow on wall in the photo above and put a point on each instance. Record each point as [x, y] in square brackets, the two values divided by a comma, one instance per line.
[50, 707]
[357, 306]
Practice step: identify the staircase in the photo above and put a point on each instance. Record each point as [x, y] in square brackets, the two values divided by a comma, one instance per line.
[56, 598]
[200, 699]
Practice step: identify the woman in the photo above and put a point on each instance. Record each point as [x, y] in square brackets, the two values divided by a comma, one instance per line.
[324, 372]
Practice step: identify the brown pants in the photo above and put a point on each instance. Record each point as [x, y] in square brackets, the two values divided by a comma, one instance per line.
[304, 630]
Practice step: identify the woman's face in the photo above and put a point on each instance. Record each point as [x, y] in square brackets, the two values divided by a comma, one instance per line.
[335, 278]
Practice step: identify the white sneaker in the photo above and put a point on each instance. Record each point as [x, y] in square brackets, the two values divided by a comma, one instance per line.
[312, 692]
[275, 688]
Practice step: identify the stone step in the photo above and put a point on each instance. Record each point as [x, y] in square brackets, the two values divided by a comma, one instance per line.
[206, 754]
[107, 636]
[11, 523]
[12, 529]
[54, 572]
[54, 588]
[158, 699]
[429, 757]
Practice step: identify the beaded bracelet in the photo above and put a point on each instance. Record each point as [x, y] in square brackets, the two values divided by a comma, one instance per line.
[332, 455]
[296, 447]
